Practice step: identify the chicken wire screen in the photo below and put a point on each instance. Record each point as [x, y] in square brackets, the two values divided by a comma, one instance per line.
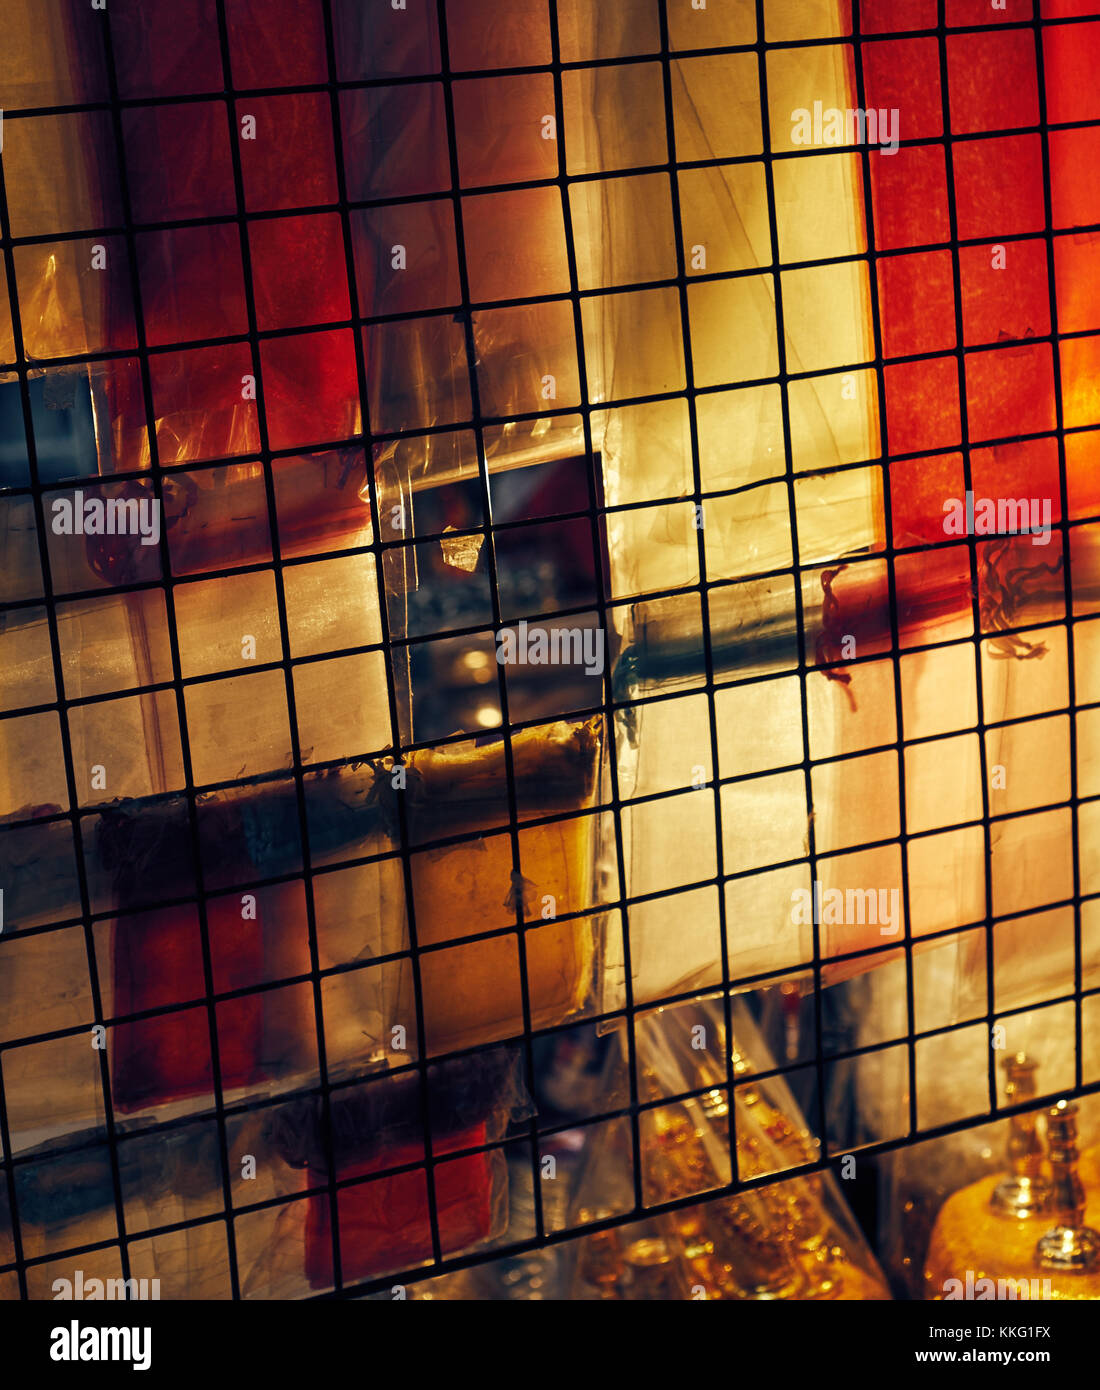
[529, 527]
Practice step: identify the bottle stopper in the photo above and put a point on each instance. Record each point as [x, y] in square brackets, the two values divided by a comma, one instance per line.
[1024, 1192]
[1069, 1245]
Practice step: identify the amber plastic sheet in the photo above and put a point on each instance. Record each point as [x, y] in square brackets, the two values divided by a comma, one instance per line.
[646, 454]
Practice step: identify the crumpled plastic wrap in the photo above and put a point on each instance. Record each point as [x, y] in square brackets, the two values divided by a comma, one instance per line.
[224, 518]
[792, 1240]
[280, 1154]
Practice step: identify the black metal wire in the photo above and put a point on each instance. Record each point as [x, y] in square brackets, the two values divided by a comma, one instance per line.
[597, 513]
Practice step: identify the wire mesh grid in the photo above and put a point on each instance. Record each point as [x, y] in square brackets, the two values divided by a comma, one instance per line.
[659, 63]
